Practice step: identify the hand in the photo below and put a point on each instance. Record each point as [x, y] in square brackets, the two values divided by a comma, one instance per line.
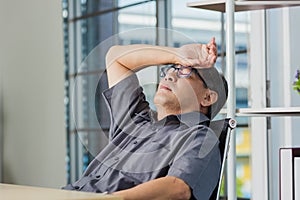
[198, 55]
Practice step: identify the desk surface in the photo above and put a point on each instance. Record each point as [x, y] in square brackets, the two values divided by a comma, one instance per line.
[18, 192]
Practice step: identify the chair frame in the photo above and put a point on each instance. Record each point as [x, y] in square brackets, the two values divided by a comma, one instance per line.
[222, 129]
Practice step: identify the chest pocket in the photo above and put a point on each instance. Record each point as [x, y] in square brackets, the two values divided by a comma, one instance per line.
[153, 157]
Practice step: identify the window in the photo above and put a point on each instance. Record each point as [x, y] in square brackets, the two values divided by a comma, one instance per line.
[89, 29]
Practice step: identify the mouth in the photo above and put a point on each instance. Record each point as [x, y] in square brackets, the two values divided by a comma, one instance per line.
[163, 87]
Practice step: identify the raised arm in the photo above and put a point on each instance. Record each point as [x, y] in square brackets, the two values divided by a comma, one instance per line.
[121, 61]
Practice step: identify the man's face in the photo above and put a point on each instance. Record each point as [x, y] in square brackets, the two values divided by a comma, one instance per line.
[180, 94]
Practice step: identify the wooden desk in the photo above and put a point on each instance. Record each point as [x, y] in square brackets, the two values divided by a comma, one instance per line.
[18, 192]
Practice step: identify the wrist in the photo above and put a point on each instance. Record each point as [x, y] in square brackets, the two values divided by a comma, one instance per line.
[176, 56]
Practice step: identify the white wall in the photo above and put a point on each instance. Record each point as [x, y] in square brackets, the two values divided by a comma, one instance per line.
[257, 99]
[283, 59]
[1, 118]
[294, 18]
[31, 63]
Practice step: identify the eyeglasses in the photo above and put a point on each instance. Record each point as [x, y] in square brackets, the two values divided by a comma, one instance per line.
[181, 72]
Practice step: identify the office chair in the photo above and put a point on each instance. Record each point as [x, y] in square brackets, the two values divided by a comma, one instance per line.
[222, 129]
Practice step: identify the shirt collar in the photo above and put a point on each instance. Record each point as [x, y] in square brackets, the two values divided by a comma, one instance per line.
[193, 118]
[190, 118]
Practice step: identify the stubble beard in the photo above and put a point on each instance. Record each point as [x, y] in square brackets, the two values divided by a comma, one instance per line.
[168, 104]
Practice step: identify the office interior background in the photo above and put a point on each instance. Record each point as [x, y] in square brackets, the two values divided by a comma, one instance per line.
[53, 120]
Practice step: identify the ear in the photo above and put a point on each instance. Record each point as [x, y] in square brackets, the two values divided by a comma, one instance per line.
[210, 98]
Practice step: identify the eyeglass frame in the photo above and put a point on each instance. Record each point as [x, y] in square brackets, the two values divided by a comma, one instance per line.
[177, 70]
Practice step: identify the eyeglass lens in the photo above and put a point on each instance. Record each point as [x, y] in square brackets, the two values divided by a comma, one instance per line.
[182, 71]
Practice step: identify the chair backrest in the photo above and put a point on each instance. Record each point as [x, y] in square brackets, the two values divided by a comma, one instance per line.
[222, 129]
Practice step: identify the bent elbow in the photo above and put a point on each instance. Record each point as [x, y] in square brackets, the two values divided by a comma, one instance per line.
[111, 55]
[183, 191]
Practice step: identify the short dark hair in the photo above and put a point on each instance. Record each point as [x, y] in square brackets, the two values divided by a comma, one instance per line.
[216, 82]
[226, 94]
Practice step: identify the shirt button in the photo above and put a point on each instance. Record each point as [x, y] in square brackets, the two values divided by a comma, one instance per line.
[135, 142]
[98, 176]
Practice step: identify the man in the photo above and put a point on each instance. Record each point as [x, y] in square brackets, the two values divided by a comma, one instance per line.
[168, 154]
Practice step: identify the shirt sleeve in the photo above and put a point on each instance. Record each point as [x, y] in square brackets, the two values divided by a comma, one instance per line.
[125, 100]
[198, 163]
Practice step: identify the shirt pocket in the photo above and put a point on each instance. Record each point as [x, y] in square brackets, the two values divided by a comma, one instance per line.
[153, 157]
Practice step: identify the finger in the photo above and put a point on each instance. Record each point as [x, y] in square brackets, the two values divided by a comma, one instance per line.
[214, 49]
[213, 41]
[212, 59]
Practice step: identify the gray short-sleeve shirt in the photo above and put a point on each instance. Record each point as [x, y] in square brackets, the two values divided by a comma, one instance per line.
[141, 148]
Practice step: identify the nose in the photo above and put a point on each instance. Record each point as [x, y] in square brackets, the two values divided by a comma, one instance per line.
[171, 76]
